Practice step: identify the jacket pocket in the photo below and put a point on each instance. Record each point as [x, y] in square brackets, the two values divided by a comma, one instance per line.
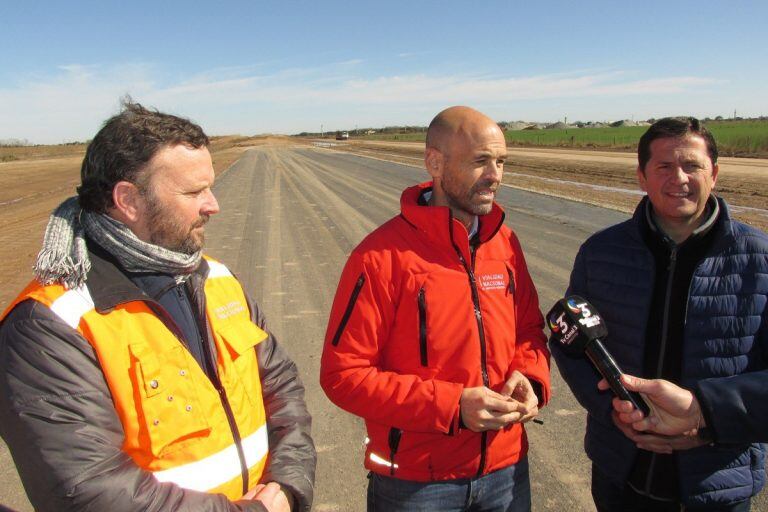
[422, 303]
[511, 285]
[166, 398]
[348, 312]
[394, 442]
[511, 290]
[240, 338]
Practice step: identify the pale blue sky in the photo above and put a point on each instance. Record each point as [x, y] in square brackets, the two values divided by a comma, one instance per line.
[283, 67]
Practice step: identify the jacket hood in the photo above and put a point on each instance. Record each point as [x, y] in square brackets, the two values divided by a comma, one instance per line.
[438, 221]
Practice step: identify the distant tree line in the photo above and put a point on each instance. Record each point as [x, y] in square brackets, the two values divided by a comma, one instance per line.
[14, 142]
[367, 131]
[17, 143]
[516, 125]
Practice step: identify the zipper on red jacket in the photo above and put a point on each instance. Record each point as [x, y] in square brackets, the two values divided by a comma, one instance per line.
[481, 332]
[348, 312]
[394, 441]
[423, 327]
[478, 313]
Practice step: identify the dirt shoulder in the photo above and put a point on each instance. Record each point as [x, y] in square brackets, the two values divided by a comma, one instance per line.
[602, 178]
[40, 178]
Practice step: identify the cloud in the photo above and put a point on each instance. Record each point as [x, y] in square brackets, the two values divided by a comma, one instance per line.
[72, 102]
[417, 88]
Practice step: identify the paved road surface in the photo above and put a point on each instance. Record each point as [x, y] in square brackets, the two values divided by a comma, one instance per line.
[289, 219]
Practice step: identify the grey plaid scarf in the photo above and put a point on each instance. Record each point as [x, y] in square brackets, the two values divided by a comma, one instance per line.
[64, 256]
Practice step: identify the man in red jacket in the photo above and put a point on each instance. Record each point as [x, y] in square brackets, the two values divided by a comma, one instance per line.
[435, 336]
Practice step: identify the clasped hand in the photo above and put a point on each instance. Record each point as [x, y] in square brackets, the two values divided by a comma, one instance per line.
[483, 409]
[658, 443]
[271, 496]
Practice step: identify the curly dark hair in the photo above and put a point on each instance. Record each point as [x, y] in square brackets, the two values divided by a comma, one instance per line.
[124, 146]
[676, 127]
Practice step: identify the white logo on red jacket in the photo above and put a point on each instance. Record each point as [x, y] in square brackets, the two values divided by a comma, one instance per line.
[492, 282]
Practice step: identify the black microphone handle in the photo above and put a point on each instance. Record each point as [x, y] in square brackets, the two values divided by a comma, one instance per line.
[608, 368]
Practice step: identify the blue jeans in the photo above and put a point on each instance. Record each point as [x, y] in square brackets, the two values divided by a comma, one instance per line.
[505, 490]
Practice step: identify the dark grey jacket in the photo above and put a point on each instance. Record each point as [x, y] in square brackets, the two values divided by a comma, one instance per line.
[58, 418]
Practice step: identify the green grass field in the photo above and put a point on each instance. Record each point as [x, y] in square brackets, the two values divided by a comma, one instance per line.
[734, 138]
[402, 137]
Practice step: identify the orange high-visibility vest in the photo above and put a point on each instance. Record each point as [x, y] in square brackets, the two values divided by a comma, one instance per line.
[174, 419]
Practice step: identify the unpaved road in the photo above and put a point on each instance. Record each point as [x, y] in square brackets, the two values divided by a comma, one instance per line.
[290, 217]
[602, 178]
[295, 217]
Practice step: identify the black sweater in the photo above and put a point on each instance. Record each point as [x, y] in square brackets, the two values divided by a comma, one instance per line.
[655, 474]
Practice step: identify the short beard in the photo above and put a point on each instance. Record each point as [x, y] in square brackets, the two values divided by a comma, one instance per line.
[456, 202]
[166, 230]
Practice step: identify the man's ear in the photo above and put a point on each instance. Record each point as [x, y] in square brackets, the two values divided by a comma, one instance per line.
[128, 201]
[641, 179]
[434, 162]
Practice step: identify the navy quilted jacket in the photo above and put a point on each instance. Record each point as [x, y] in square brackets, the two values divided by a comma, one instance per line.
[726, 334]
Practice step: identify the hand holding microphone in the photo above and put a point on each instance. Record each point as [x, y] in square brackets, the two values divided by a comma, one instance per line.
[675, 410]
[578, 328]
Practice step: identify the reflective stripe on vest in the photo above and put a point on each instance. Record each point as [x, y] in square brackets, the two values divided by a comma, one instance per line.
[174, 422]
[218, 468]
[216, 269]
[71, 306]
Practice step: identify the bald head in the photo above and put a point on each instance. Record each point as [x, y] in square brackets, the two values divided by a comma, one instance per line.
[465, 156]
[457, 121]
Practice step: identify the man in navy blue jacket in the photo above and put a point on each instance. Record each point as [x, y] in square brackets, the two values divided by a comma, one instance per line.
[683, 289]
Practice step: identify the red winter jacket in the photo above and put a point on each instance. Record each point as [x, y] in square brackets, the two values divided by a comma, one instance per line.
[404, 340]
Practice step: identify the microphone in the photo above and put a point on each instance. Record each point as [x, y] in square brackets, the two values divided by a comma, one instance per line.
[578, 328]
